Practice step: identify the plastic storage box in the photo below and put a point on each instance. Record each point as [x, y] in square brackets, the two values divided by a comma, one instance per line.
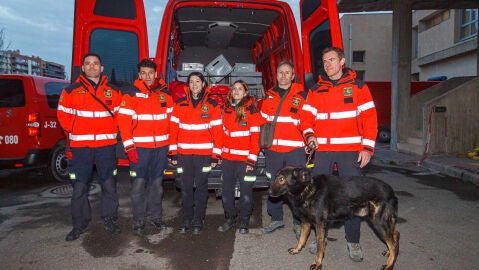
[193, 66]
[218, 69]
[182, 75]
[244, 67]
[248, 77]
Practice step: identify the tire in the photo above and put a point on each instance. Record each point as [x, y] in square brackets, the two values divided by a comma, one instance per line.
[58, 164]
[384, 135]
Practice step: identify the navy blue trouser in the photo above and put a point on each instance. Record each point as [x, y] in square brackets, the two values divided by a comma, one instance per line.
[81, 170]
[234, 172]
[347, 166]
[147, 183]
[194, 187]
[274, 162]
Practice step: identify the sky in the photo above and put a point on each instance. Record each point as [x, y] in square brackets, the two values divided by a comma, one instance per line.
[44, 28]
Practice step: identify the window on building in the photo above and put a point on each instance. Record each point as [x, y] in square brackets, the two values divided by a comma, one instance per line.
[360, 74]
[358, 56]
[468, 23]
[436, 19]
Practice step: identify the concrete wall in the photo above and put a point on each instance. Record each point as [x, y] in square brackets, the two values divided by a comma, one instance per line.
[439, 51]
[371, 33]
[457, 129]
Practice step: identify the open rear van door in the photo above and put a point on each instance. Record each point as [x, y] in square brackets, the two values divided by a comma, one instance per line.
[114, 29]
[320, 28]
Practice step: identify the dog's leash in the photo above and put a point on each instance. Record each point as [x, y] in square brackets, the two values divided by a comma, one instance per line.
[310, 152]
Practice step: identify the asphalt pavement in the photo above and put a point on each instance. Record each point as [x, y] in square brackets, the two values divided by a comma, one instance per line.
[455, 166]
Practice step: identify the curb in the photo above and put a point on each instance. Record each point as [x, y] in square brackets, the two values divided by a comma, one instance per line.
[452, 171]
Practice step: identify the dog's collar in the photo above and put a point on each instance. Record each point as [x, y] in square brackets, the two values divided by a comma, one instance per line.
[307, 194]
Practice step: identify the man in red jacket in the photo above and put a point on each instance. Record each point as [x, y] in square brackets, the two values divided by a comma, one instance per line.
[86, 111]
[288, 142]
[143, 119]
[340, 122]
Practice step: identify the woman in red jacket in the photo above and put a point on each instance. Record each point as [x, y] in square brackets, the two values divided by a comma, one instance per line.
[195, 146]
[241, 126]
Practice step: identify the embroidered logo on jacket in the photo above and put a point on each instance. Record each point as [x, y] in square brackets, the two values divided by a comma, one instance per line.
[204, 108]
[296, 101]
[107, 93]
[347, 91]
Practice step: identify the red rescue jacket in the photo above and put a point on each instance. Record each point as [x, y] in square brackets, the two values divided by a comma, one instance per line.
[87, 121]
[240, 141]
[341, 115]
[196, 130]
[144, 115]
[287, 134]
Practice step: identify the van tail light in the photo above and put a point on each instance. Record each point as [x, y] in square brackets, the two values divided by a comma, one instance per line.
[33, 124]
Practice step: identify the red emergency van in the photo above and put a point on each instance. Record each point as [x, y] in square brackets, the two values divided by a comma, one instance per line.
[227, 40]
[30, 135]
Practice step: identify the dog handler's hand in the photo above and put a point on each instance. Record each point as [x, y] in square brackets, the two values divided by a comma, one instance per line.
[312, 144]
[363, 158]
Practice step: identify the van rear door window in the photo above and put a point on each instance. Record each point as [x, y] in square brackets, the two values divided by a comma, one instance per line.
[53, 91]
[12, 93]
[119, 53]
[319, 39]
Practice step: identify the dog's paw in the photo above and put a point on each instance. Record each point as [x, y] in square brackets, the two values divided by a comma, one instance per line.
[293, 251]
[314, 267]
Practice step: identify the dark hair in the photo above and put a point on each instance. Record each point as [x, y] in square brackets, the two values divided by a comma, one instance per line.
[239, 108]
[90, 54]
[334, 49]
[202, 78]
[285, 62]
[146, 63]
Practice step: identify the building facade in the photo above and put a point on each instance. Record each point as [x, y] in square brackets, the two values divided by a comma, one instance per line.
[444, 44]
[13, 62]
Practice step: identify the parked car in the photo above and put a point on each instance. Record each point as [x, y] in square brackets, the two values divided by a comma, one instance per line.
[30, 135]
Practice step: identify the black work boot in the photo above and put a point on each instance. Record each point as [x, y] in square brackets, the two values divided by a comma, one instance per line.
[111, 225]
[73, 234]
[229, 223]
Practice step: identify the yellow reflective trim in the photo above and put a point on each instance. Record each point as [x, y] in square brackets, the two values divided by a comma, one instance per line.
[207, 169]
[250, 178]
[132, 173]
[268, 175]
[179, 170]
[115, 172]
[72, 176]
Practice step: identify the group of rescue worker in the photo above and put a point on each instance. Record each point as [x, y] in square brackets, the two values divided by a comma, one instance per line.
[336, 119]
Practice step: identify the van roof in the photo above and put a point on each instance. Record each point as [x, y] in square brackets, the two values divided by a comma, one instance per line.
[218, 27]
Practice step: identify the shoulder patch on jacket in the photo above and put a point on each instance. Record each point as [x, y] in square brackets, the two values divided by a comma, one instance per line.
[359, 83]
[130, 90]
[252, 109]
[314, 88]
[180, 100]
[72, 86]
[303, 94]
[212, 102]
[116, 87]
[166, 91]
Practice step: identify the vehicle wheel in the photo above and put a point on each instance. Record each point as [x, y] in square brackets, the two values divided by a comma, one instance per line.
[384, 135]
[58, 164]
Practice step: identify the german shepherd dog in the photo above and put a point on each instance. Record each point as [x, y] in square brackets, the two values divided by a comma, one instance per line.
[317, 199]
